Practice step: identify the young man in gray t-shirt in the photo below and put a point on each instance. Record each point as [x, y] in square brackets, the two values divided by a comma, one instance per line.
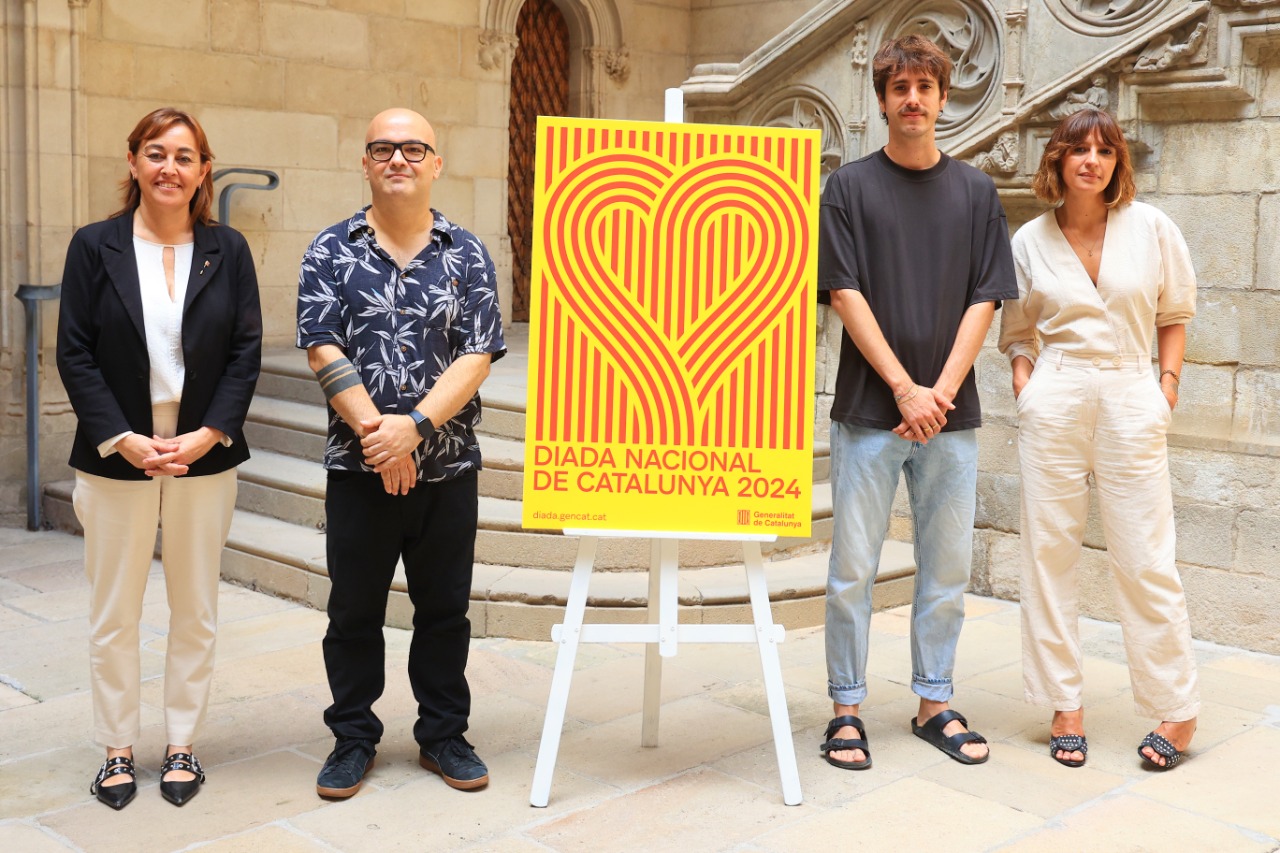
[914, 257]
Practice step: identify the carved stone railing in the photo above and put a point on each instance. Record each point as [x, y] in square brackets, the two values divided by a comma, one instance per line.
[1020, 67]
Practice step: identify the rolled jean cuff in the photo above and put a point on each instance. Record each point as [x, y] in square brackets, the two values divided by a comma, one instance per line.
[847, 694]
[933, 689]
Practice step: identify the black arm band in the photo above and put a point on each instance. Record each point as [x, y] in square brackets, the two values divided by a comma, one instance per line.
[337, 376]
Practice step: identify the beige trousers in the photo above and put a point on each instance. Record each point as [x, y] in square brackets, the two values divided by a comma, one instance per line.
[119, 519]
[1106, 418]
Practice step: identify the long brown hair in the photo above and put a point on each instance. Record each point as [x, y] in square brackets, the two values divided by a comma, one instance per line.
[1073, 130]
[152, 125]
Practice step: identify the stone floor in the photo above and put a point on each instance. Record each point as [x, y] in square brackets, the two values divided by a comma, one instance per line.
[711, 785]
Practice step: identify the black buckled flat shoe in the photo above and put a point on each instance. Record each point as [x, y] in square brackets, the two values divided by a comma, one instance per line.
[179, 793]
[344, 770]
[116, 796]
[456, 762]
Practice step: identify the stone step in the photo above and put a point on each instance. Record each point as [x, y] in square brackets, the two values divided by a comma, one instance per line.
[291, 489]
[287, 427]
[291, 428]
[287, 488]
[286, 378]
[288, 560]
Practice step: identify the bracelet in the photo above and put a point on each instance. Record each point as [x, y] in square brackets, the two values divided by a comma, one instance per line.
[1176, 383]
[899, 399]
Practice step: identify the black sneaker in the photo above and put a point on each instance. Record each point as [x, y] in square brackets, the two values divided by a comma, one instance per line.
[456, 762]
[345, 767]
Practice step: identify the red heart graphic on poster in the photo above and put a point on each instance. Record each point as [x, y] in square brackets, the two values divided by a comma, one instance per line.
[675, 273]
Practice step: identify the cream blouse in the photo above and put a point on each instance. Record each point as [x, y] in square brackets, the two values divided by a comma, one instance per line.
[1145, 280]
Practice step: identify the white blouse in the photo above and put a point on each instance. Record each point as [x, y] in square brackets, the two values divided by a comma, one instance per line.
[161, 322]
[1145, 280]
[162, 316]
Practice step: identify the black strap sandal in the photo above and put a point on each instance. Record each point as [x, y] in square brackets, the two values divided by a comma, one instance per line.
[116, 796]
[1069, 743]
[836, 744]
[931, 732]
[1161, 745]
[179, 793]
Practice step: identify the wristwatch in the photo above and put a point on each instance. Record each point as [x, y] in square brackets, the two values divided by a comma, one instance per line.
[425, 427]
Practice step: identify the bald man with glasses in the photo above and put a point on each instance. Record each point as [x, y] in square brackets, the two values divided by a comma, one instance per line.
[398, 313]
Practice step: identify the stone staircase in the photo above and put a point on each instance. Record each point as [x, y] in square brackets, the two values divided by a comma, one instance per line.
[521, 579]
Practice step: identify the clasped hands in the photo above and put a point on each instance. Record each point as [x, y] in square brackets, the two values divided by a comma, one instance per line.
[388, 443]
[924, 414]
[167, 457]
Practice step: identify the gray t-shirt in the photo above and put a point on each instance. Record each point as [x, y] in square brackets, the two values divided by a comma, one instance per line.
[921, 246]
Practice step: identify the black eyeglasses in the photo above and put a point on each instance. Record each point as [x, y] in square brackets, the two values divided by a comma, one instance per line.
[414, 152]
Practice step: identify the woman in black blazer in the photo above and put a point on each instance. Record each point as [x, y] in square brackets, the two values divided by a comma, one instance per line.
[159, 347]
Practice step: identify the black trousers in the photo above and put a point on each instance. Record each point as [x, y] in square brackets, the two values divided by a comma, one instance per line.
[433, 529]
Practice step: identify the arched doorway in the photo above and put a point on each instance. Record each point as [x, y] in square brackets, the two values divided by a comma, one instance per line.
[539, 86]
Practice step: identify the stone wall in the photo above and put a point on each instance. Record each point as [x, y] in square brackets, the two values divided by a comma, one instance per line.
[280, 85]
[728, 30]
[1197, 87]
[1208, 168]
[290, 86]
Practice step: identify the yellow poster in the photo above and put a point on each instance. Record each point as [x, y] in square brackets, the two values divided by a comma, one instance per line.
[671, 332]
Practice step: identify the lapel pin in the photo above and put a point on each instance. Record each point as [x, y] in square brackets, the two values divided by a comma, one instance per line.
[203, 268]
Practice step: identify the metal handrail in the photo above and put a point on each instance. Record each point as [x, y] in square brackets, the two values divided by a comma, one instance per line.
[32, 295]
[224, 197]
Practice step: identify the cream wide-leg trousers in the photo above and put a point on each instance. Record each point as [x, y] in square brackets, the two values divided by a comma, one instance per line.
[119, 519]
[1106, 417]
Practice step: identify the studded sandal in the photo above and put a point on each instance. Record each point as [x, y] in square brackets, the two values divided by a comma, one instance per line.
[1161, 745]
[1069, 743]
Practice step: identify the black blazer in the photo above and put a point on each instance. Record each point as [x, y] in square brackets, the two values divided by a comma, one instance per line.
[102, 348]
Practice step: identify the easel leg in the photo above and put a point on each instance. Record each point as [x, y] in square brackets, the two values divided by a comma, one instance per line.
[768, 635]
[567, 634]
[652, 660]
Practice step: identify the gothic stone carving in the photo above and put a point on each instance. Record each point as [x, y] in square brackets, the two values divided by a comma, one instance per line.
[1096, 96]
[967, 31]
[617, 64]
[496, 49]
[858, 53]
[1104, 17]
[805, 112]
[1169, 51]
[1003, 157]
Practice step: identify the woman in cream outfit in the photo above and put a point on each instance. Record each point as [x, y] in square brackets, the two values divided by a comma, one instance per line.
[159, 346]
[1097, 276]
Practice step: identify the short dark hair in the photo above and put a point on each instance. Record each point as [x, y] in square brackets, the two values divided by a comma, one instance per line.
[1073, 130]
[910, 53]
[152, 125]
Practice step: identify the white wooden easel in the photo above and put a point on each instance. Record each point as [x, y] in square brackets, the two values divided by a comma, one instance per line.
[663, 634]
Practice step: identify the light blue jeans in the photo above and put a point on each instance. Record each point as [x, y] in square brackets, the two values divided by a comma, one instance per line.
[942, 479]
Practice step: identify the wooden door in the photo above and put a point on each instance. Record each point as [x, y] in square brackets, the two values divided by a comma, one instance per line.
[539, 86]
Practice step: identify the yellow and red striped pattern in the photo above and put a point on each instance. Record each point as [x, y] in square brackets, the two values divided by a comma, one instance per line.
[672, 296]
[669, 287]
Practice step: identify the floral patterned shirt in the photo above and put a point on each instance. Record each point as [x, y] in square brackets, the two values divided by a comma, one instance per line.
[401, 329]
